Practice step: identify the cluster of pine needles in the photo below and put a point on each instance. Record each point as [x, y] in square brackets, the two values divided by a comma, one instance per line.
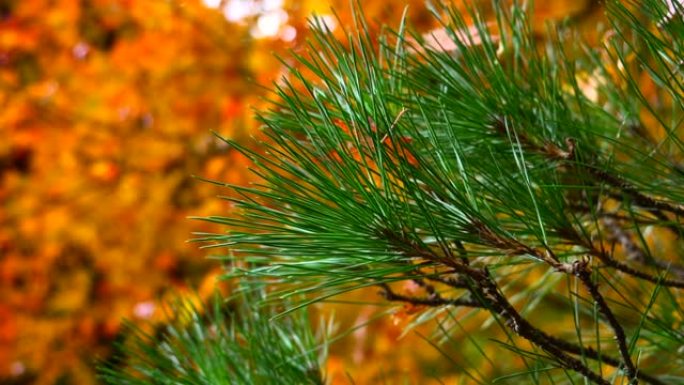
[485, 169]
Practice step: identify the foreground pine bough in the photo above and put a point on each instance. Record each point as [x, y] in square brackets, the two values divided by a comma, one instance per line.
[221, 342]
[464, 169]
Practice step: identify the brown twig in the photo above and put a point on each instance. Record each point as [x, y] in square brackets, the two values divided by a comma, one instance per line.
[572, 236]
[583, 272]
[662, 219]
[609, 261]
[456, 283]
[500, 305]
[433, 300]
[591, 353]
[638, 197]
[611, 215]
[634, 252]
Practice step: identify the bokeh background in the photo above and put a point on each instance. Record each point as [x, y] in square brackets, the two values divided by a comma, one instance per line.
[106, 112]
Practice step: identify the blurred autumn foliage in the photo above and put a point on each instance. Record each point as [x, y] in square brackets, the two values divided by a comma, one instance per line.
[106, 108]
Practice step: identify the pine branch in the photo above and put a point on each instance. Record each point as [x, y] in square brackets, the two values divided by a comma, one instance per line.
[488, 295]
[220, 342]
[556, 153]
[523, 328]
[386, 164]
